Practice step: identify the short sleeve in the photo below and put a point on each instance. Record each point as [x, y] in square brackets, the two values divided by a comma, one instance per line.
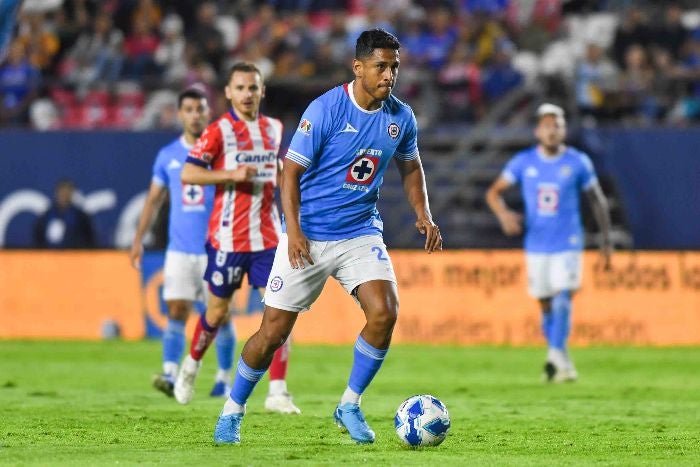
[408, 148]
[160, 171]
[512, 172]
[587, 177]
[208, 147]
[310, 134]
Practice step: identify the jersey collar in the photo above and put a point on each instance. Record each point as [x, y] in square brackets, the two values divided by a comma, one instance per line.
[184, 142]
[352, 99]
[550, 159]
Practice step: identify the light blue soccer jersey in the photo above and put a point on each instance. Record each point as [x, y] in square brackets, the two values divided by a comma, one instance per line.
[346, 150]
[550, 188]
[190, 205]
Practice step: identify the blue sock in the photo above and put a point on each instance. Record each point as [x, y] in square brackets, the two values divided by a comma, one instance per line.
[225, 346]
[173, 341]
[365, 365]
[561, 320]
[547, 322]
[244, 382]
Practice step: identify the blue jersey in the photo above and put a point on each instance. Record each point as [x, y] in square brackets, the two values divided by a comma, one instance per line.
[346, 150]
[190, 205]
[551, 187]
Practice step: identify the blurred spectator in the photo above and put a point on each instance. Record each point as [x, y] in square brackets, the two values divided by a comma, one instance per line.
[460, 82]
[595, 79]
[96, 56]
[170, 54]
[8, 17]
[148, 14]
[140, 47]
[671, 35]
[207, 37]
[439, 39]
[19, 83]
[41, 44]
[632, 31]
[636, 81]
[500, 77]
[64, 225]
[253, 53]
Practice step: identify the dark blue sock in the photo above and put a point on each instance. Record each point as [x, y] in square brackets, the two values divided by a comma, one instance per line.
[244, 382]
[365, 365]
[225, 346]
[174, 341]
[561, 319]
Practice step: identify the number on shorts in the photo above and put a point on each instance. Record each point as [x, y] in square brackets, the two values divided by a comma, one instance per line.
[380, 253]
[234, 274]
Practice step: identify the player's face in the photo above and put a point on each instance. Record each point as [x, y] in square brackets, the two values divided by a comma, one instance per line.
[245, 90]
[194, 115]
[551, 131]
[378, 73]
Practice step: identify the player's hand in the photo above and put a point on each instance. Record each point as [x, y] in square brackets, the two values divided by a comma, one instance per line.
[511, 223]
[136, 254]
[298, 250]
[243, 173]
[433, 238]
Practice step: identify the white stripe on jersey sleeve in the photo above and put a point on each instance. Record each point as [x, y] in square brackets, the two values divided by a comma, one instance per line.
[508, 176]
[406, 157]
[298, 158]
[158, 181]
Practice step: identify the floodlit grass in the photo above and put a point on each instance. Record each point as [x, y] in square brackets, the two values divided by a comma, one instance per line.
[74, 403]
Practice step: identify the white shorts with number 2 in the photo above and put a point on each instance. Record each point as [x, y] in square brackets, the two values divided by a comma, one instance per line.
[351, 262]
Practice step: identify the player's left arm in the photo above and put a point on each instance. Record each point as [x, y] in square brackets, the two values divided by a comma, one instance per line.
[413, 179]
[601, 212]
[588, 181]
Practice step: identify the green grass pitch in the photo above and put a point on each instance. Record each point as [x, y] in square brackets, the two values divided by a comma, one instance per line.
[74, 403]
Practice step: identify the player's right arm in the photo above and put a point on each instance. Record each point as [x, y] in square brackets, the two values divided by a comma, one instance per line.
[304, 150]
[156, 195]
[207, 151]
[290, 194]
[511, 221]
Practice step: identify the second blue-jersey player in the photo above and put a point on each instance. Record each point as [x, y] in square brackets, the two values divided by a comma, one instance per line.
[552, 176]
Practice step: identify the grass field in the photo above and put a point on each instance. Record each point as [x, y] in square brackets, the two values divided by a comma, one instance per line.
[91, 403]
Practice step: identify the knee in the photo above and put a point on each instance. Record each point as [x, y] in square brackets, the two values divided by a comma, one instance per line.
[272, 338]
[384, 316]
[179, 311]
[217, 313]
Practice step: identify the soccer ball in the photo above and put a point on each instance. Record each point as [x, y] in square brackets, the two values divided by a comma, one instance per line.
[422, 421]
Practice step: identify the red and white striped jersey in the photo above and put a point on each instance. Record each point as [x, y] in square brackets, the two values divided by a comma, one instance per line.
[244, 217]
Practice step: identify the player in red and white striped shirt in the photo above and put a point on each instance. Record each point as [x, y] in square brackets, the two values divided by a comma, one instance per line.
[239, 154]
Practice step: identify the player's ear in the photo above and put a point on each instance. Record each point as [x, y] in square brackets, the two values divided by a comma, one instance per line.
[357, 67]
[227, 91]
[262, 92]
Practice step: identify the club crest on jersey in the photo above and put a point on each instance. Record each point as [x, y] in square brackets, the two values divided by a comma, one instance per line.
[206, 157]
[362, 170]
[305, 126]
[393, 130]
[192, 196]
[276, 284]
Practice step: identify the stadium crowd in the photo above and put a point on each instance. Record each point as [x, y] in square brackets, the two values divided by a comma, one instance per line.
[120, 63]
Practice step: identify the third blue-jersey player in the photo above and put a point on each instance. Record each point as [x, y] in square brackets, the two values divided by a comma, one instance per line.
[185, 258]
[330, 185]
[551, 176]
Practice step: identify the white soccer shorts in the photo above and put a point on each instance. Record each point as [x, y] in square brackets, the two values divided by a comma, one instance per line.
[550, 273]
[183, 277]
[351, 262]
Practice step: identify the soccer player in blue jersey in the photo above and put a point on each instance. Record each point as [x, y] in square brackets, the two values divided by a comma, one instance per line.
[551, 176]
[330, 185]
[185, 259]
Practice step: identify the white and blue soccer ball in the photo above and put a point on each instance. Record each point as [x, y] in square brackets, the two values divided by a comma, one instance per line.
[422, 421]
